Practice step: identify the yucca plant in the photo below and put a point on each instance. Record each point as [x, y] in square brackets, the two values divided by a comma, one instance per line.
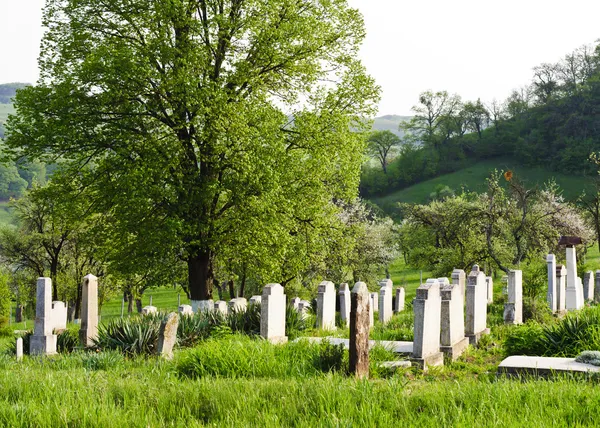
[294, 322]
[67, 340]
[245, 321]
[131, 336]
[193, 329]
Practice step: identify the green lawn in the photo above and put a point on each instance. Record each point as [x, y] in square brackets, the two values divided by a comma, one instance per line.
[473, 178]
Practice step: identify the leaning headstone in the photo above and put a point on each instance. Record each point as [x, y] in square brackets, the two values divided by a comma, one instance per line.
[19, 348]
[255, 300]
[400, 296]
[221, 307]
[476, 306]
[597, 288]
[561, 289]
[452, 338]
[202, 305]
[239, 304]
[573, 298]
[489, 282]
[375, 302]
[167, 335]
[147, 310]
[43, 341]
[59, 316]
[185, 310]
[89, 310]
[272, 314]
[385, 300]
[588, 286]
[427, 309]
[513, 309]
[359, 330]
[344, 297]
[326, 306]
[459, 277]
[552, 294]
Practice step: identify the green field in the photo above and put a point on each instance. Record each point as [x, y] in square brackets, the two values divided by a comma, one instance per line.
[473, 179]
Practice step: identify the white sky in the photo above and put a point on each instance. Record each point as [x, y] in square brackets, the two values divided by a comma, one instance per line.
[476, 48]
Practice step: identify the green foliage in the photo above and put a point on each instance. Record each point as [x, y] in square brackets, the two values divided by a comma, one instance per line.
[131, 336]
[245, 321]
[524, 340]
[192, 329]
[400, 327]
[105, 360]
[5, 298]
[68, 340]
[294, 322]
[331, 357]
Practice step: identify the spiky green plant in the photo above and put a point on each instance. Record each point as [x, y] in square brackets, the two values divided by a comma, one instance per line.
[131, 336]
[245, 321]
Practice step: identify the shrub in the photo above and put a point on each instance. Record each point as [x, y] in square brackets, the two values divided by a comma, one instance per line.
[294, 322]
[247, 321]
[192, 329]
[331, 357]
[67, 340]
[102, 360]
[132, 336]
[399, 327]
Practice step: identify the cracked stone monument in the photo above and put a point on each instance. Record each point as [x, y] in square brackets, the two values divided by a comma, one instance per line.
[513, 309]
[561, 289]
[400, 297]
[344, 297]
[588, 286]
[452, 339]
[385, 300]
[326, 306]
[272, 314]
[427, 330]
[359, 330]
[89, 310]
[43, 340]
[552, 294]
[476, 307]
[167, 336]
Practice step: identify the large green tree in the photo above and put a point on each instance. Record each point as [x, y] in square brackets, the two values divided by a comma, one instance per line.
[203, 125]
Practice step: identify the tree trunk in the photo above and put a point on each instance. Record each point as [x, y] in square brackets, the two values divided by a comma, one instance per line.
[231, 285]
[53, 273]
[138, 305]
[200, 276]
[129, 303]
[78, 301]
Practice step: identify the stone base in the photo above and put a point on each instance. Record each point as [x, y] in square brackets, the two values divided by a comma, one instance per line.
[42, 345]
[456, 350]
[432, 360]
[279, 340]
[474, 338]
[518, 365]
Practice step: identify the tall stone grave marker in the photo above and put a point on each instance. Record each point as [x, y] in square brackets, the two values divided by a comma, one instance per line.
[400, 297]
[167, 336]
[359, 330]
[272, 314]
[344, 296]
[452, 339]
[552, 295]
[476, 307]
[43, 341]
[588, 286]
[326, 306]
[561, 289]
[489, 282]
[427, 310]
[573, 298]
[513, 309]
[385, 300]
[375, 302]
[89, 310]
[460, 278]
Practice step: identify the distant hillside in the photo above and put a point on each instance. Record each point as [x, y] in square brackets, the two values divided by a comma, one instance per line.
[8, 91]
[390, 122]
[473, 178]
[5, 110]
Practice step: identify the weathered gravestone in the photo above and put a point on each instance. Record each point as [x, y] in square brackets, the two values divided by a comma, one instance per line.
[326, 306]
[202, 305]
[185, 310]
[561, 289]
[255, 300]
[272, 314]
[239, 304]
[43, 340]
[344, 297]
[400, 297]
[221, 307]
[489, 282]
[588, 286]
[167, 335]
[385, 300]
[476, 307]
[513, 309]
[460, 278]
[375, 302]
[552, 295]
[89, 310]
[574, 298]
[303, 307]
[427, 310]
[359, 330]
[452, 339]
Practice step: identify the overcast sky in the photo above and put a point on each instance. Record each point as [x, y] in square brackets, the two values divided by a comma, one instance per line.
[476, 48]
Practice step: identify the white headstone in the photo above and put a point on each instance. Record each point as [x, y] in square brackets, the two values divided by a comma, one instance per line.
[239, 304]
[272, 315]
[385, 300]
[489, 281]
[513, 309]
[326, 306]
[574, 299]
[59, 316]
[255, 300]
[19, 348]
[476, 306]
[588, 285]
[89, 310]
[400, 296]
[561, 288]
[303, 306]
[295, 302]
[552, 295]
[452, 339]
[147, 310]
[344, 297]
[185, 310]
[202, 305]
[427, 309]
[43, 341]
[221, 307]
[375, 302]
[459, 277]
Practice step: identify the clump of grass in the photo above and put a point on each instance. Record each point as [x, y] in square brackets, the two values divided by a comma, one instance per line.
[131, 336]
[107, 360]
[400, 327]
